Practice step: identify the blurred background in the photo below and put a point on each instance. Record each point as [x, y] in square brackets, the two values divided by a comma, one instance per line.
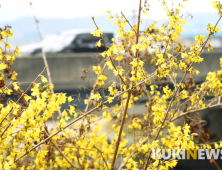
[65, 27]
[55, 17]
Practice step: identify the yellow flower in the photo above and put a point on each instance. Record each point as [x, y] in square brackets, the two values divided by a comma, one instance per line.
[7, 45]
[70, 99]
[44, 80]
[97, 33]
[108, 11]
[15, 84]
[2, 66]
[86, 101]
[156, 163]
[98, 44]
[216, 145]
[26, 97]
[110, 99]
[144, 12]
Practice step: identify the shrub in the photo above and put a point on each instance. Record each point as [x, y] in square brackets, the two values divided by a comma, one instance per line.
[27, 143]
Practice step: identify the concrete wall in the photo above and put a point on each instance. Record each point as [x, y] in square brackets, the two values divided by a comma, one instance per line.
[66, 68]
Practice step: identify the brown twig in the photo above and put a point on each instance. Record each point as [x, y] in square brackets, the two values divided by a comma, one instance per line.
[166, 115]
[121, 129]
[43, 55]
[193, 111]
[138, 27]
[146, 139]
[78, 156]
[1, 109]
[76, 147]
[107, 50]
[132, 153]
[102, 157]
[61, 152]
[80, 117]
[30, 85]
[19, 100]
[215, 163]
[6, 87]
[120, 82]
[94, 86]
[14, 117]
[128, 22]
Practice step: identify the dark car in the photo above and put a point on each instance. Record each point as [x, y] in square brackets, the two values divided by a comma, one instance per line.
[86, 42]
[70, 41]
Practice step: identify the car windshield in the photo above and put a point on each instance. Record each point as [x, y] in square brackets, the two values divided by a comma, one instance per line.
[67, 39]
[89, 38]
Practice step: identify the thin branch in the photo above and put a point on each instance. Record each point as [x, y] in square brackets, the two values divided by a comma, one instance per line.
[43, 55]
[166, 115]
[164, 120]
[107, 50]
[76, 147]
[215, 163]
[128, 23]
[93, 109]
[5, 115]
[19, 100]
[102, 157]
[30, 85]
[138, 27]
[193, 111]
[146, 139]
[171, 80]
[61, 152]
[121, 129]
[135, 150]
[94, 86]
[121, 89]
[219, 100]
[6, 87]
[80, 117]
[77, 155]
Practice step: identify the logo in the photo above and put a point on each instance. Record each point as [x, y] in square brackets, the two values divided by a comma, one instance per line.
[182, 154]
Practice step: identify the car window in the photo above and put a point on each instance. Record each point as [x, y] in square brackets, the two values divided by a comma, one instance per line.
[67, 39]
[89, 38]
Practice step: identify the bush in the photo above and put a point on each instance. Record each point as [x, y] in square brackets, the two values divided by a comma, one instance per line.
[27, 143]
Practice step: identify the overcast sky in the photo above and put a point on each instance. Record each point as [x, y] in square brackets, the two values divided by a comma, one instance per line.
[14, 9]
[63, 15]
